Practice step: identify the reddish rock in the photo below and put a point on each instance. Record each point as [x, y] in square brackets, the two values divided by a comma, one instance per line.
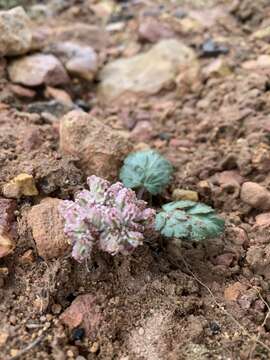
[234, 291]
[59, 95]
[48, 229]
[224, 259]
[37, 69]
[152, 30]
[99, 148]
[255, 195]
[239, 236]
[22, 92]
[83, 312]
[263, 220]
[7, 226]
[142, 132]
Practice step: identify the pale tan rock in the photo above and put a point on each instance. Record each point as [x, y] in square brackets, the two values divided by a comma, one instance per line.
[21, 185]
[37, 69]
[181, 194]
[83, 312]
[233, 292]
[58, 94]
[7, 226]
[263, 33]
[146, 73]
[99, 148]
[48, 229]
[217, 68]
[15, 32]
[255, 195]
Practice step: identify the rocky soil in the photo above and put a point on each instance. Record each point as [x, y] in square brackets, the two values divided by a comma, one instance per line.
[83, 83]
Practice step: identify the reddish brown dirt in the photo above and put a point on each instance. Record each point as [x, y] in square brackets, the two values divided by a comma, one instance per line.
[155, 304]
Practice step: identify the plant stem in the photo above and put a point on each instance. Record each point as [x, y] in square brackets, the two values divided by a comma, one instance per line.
[140, 193]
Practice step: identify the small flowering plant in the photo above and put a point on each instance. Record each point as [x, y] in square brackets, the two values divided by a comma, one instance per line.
[108, 217]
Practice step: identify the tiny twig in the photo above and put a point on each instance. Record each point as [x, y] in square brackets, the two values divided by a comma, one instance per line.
[28, 348]
[244, 330]
[262, 325]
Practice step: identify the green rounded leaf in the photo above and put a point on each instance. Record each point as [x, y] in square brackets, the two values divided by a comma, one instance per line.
[146, 169]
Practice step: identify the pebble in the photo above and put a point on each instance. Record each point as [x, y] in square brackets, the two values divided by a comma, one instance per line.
[21, 185]
[217, 68]
[3, 337]
[141, 331]
[37, 69]
[255, 195]
[181, 194]
[7, 226]
[56, 309]
[15, 32]
[233, 292]
[79, 60]
[142, 132]
[94, 348]
[47, 227]
[83, 312]
[152, 30]
[211, 49]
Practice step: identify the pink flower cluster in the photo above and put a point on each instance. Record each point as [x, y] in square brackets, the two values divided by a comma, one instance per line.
[109, 217]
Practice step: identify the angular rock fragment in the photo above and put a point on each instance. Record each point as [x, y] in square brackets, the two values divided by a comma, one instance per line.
[99, 148]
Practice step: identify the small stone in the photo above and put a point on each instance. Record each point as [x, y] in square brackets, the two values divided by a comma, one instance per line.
[27, 257]
[263, 33]
[212, 49]
[3, 337]
[152, 30]
[233, 292]
[22, 92]
[99, 148]
[48, 229]
[38, 69]
[15, 32]
[83, 312]
[94, 348]
[77, 334]
[79, 60]
[143, 131]
[59, 95]
[181, 194]
[7, 226]
[137, 76]
[14, 352]
[262, 62]
[224, 259]
[56, 309]
[141, 331]
[255, 195]
[217, 68]
[263, 220]
[21, 185]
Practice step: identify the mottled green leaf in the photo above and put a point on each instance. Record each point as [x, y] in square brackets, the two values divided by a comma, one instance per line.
[146, 169]
[189, 220]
